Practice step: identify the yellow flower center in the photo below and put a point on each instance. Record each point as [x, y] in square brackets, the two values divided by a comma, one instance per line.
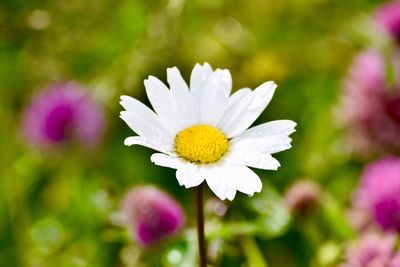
[201, 144]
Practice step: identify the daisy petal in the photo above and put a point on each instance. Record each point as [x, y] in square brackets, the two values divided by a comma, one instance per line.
[246, 180]
[168, 161]
[266, 144]
[239, 94]
[224, 179]
[163, 103]
[176, 82]
[236, 108]
[138, 140]
[180, 91]
[189, 175]
[145, 122]
[237, 103]
[247, 110]
[215, 96]
[253, 159]
[278, 127]
[218, 184]
[230, 195]
[198, 80]
[199, 77]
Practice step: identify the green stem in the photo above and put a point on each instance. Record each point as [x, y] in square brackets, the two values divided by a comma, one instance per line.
[200, 226]
[253, 253]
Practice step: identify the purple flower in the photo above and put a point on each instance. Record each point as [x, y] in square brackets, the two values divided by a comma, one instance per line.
[152, 214]
[61, 113]
[388, 16]
[371, 250]
[395, 262]
[379, 192]
[371, 108]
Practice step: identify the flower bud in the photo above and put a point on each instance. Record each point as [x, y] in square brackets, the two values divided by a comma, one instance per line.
[302, 196]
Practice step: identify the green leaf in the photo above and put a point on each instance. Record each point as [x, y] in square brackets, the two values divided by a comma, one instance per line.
[274, 217]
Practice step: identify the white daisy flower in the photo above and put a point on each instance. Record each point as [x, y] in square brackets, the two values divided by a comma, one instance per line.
[203, 132]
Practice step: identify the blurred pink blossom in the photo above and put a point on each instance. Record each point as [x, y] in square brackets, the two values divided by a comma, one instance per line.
[371, 106]
[61, 113]
[388, 16]
[371, 250]
[151, 214]
[395, 262]
[379, 192]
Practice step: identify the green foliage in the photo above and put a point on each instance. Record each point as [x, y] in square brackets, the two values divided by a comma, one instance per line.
[56, 206]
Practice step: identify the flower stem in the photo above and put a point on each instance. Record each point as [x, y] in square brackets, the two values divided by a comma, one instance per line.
[253, 254]
[200, 226]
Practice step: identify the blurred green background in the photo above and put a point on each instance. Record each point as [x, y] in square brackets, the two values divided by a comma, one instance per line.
[56, 207]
